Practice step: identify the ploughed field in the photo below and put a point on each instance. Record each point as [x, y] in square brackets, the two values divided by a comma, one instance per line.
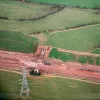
[48, 88]
[16, 41]
[78, 3]
[81, 39]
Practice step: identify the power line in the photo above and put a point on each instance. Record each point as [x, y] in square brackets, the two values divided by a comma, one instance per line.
[25, 88]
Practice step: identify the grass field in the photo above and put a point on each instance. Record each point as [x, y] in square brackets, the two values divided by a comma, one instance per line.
[16, 41]
[61, 55]
[68, 17]
[66, 56]
[18, 10]
[84, 39]
[79, 3]
[46, 88]
[32, 18]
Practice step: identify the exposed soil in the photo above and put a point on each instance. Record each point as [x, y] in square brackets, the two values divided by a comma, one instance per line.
[12, 61]
[41, 37]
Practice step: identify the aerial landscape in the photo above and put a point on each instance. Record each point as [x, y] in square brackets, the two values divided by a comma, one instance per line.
[49, 49]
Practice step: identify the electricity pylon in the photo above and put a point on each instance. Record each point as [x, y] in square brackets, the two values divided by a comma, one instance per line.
[25, 88]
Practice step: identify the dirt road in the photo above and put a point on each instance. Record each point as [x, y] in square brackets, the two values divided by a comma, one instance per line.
[11, 61]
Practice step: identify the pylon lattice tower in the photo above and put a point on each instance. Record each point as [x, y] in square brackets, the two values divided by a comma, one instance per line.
[25, 88]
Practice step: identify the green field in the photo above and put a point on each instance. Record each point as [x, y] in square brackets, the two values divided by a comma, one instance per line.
[66, 18]
[46, 88]
[54, 53]
[79, 3]
[16, 41]
[41, 20]
[66, 56]
[18, 10]
[84, 39]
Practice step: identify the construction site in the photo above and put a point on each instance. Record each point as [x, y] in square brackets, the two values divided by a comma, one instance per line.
[40, 63]
[49, 49]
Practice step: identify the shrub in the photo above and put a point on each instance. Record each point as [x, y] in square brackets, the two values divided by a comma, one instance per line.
[90, 60]
[82, 59]
[98, 61]
[54, 53]
[64, 56]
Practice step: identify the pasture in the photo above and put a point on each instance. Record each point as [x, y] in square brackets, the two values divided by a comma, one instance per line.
[76, 3]
[82, 39]
[24, 11]
[64, 19]
[48, 88]
[16, 41]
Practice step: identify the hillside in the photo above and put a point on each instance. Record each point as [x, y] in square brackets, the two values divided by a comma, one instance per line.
[64, 19]
[25, 11]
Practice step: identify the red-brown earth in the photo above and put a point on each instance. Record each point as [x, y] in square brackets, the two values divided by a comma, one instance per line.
[13, 61]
